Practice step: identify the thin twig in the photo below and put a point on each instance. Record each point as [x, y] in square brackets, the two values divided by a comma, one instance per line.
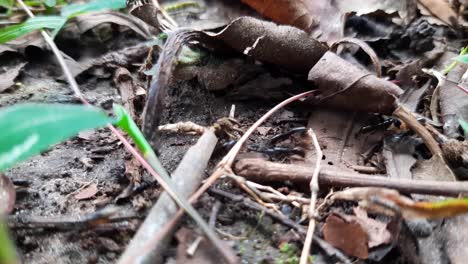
[314, 188]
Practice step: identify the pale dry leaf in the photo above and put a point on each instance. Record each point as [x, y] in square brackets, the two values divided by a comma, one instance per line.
[441, 9]
[87, 192]
[376, 230]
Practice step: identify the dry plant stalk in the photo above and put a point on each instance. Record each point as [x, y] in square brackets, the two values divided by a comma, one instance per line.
[314, 188]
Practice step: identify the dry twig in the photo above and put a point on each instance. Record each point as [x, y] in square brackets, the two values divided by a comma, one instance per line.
[314, 188]
[259, 170]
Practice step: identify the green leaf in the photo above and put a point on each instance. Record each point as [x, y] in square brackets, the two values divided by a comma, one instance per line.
[6, 3]
[50, 3]
[96, 5]
[126, 123]
[35, 23]
[28, 129]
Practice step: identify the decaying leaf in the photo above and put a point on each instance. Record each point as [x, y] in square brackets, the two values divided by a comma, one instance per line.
[7, 78]
[87, 192]
[88, 21]
[347, 235]
[376, 230]
[453, 101]
[293, 48]
[7, 195]
[290, 12]
[441, 9]
[344, 86]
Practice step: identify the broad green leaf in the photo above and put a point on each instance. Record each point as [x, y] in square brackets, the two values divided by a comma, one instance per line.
[464, 125]
[28, 129]
[35, 23]
[6, 3]
[96, 5]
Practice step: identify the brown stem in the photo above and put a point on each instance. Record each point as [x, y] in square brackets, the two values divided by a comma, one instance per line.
[408, 118]
[259, 170]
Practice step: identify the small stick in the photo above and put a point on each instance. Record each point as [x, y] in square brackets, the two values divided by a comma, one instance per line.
[314, 188]
[259, 170]
[406, 116]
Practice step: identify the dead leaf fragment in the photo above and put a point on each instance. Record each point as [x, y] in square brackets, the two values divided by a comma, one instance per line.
[88, 21]
[289, 12]
[7, 78]
[441, 9]
[347, 87]
[376, 230]
[7, 195]
[87, 192]
[293, 48]
[348, 236]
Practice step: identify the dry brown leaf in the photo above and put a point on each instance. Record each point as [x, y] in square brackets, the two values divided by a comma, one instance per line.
[293, 48]
[87, 192]
[441, 9]
[88, 21]
[7, 195]
[326, 18]
[347, 235]
[376, 230]
[345, 86]
[289, 12]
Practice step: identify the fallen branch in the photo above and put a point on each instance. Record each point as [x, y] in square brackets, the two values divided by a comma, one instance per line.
[259, 170]
[314, 188]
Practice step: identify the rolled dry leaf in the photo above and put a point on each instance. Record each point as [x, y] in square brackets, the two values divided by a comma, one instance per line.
[285, 46]
[345, 86]
[294, 13]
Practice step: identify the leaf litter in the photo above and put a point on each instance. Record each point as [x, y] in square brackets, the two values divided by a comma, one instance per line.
[263, 63]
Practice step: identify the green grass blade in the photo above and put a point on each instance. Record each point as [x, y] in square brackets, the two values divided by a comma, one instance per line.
[7, 249]
[28, 129]
[129, 126]
[30, 25]
[96, 5]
